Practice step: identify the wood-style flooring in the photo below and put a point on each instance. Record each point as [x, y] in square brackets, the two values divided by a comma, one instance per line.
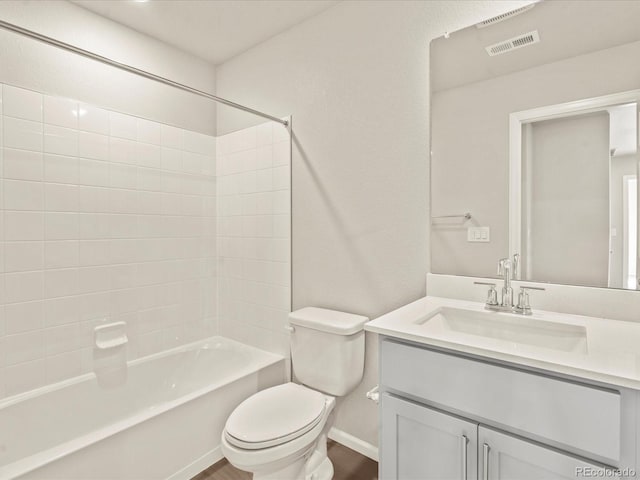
[348, 465]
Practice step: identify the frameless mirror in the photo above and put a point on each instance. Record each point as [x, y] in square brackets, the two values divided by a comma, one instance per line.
[534, 144]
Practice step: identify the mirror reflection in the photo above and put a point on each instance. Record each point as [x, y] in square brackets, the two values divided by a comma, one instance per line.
[535, 145]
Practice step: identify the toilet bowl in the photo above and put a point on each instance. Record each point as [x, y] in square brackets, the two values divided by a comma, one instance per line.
[281, 433]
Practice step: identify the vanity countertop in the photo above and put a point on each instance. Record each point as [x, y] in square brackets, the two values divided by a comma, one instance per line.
[596, 349]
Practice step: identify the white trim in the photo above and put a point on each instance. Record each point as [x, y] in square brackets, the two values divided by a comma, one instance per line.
[197, 466]
[354, 443]
[549, 112]
[626, 180]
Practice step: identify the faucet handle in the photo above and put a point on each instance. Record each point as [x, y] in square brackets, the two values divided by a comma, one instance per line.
[492, 294]
[523, 299]
[524, 287]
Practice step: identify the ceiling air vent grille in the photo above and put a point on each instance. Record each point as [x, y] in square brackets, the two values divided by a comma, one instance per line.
[504, 16]
[514, 43]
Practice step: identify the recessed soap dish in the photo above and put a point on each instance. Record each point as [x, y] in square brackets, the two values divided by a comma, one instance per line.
[110, 335]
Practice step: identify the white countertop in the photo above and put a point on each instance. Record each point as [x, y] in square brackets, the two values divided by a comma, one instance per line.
[611, 356]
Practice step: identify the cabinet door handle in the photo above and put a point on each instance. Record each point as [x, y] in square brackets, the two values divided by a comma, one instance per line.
[463, 445]
[485, 462]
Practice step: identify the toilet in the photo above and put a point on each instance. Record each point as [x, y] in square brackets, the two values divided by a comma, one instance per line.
[281, 433]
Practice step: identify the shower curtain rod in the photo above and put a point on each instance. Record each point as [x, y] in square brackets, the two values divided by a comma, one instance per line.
[136, 71]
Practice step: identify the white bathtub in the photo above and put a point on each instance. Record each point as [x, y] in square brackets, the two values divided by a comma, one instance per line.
[162, 418]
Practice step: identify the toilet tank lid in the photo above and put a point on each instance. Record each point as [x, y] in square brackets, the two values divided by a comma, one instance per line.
[330, 321]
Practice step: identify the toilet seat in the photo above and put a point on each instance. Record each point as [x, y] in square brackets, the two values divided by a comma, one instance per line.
[275, 416]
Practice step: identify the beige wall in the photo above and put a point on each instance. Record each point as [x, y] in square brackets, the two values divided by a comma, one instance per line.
[356, 81]
[30, 64]
[620, 166]
[470, 149]
[567, 196]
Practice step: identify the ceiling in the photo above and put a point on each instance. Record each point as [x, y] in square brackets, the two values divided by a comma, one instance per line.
[567, 29]
[214, 30]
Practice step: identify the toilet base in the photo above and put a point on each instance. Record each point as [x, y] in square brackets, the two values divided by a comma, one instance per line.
[324, 471]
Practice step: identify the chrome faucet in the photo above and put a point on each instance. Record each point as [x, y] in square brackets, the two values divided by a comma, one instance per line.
[507, 268]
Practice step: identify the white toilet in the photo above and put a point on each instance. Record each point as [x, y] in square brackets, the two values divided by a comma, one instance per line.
[281, 433]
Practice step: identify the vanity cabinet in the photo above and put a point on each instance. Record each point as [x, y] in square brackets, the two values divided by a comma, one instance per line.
[421, 443]
[450, 416]
[505, 457]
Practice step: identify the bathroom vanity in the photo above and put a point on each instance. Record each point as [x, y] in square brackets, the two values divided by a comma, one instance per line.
[471, 394]
[528, 168]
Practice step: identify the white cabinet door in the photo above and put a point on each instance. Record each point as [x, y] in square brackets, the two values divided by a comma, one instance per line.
[418, 443]
[503, 457]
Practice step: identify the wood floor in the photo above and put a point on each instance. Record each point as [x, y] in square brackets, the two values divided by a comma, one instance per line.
[348, 465]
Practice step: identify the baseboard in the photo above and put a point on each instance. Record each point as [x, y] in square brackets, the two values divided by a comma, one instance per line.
[354, 443]
[198, 465]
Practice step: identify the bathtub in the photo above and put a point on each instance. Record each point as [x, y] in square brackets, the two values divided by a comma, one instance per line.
[156, 417]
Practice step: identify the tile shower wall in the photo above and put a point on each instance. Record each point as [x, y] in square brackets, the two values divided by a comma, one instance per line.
[103, 217]
[254, 269]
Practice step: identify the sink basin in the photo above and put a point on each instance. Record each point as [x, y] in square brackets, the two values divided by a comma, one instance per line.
[507, 327]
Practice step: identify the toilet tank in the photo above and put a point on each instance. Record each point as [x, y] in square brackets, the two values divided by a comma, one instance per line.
[327, 349]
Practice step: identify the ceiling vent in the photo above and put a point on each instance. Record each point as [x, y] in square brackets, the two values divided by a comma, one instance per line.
[504, 16]
[514, 43]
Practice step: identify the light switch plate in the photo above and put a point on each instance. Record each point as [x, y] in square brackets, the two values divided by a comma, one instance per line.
[479, 234]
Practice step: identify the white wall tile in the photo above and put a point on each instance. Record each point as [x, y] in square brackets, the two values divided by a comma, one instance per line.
[23, 317]
[102, 216]
[61, 283]
[22, 164]
[22, 134]
[93, 199]
[149, 132]
[264, 157]
[94, 252]
[122, 150]
[280, 133]
[148, 155]
[281, 153]
[61, 226]
[94, 225]
[23, 226]
[123, 226]
[171, 159]
[123, 176]
[61, 254]
[122, 126]
[61, 112]
[60, 169]
[94, 279]
[61, 197]
[23, 195]
[24, 347]
[21, 103]
[93, 172]
[23, 287]
[24, 376]
[61, 311]
[253, 225]
[123, 201]
[63, 366]
[63, 338]
[93, 119]
[171, 137]
[149, 179]
[264, 134]
[93, 145]
[23, 256]
[60, 140]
